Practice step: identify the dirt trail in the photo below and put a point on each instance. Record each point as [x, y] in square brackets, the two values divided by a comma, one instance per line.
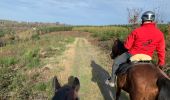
[90, 65]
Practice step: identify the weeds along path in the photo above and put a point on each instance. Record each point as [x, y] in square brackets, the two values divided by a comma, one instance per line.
[90, 65]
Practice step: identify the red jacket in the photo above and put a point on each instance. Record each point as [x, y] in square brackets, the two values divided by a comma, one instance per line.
[145, 40]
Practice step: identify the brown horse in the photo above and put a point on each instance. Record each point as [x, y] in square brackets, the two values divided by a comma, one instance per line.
[66, 92]
[143, 81]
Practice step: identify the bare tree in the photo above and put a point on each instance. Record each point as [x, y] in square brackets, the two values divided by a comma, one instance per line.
[133, 16]
[159, 15]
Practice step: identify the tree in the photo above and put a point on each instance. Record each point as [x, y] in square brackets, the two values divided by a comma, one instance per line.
[133, 16]
[160, 16]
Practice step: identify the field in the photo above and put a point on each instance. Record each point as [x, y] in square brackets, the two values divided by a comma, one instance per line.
[31, 57]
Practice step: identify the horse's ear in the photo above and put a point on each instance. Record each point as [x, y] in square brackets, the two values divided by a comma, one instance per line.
[56, 84]
[76, 83]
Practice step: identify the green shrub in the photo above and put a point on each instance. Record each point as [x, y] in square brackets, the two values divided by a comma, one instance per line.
[6, 79]
[69, 40]
[94, 35]
[6, 31]
[32, 58]
[43, 30]
[164, 29]
[24, 93]
[40, 86]
[35, 36]
[7, 61]
[2, 33]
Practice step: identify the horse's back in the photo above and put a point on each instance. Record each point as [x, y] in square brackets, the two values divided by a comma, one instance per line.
[144, 69]
[143, 78]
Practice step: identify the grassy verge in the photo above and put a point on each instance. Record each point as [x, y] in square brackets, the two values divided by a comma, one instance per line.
[21, 66]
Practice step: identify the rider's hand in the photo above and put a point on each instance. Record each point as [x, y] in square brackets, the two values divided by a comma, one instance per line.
[160, 66]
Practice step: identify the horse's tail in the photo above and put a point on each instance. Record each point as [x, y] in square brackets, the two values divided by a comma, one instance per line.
[56, 85]
[164, 88]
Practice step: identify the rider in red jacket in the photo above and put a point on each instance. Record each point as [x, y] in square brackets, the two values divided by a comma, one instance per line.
[143, 40]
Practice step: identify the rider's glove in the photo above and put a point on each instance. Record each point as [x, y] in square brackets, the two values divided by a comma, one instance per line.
[161, 66]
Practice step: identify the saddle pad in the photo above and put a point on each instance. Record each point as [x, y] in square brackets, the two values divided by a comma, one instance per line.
[140, 57]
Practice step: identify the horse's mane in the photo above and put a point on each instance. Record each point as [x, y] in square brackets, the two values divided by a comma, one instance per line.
[121, 45]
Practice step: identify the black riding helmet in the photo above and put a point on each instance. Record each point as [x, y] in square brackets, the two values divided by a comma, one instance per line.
[148, 16]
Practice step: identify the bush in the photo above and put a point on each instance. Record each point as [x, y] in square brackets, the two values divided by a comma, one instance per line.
[7, 61]
[163, 28]
[40, 86]
[6, 79]
[35, 36]
[32, 58]
[2, 33]
[6, 31]
[44, 30]
[69, 40]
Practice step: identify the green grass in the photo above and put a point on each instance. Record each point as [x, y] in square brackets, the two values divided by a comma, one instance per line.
[7, 61]
[32, 58]
[40, 86]
[35, 36]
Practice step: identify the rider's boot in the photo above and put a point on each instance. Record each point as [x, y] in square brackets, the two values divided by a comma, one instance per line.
[111, 82]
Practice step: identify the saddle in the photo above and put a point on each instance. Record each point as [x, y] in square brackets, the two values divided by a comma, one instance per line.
[135, 59]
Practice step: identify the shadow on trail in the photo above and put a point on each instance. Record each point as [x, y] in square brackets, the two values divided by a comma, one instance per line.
[99, 75]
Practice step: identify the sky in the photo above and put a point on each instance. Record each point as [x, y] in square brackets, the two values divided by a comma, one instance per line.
[78, 12]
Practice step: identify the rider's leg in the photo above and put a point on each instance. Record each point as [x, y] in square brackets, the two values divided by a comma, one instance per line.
[119, 60]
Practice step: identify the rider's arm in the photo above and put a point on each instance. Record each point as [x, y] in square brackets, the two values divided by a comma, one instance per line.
[161, 51]
[130, 40]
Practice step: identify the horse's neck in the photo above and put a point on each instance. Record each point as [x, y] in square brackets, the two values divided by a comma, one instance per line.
[122, 47]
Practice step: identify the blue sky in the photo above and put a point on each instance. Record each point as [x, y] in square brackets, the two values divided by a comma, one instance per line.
[78, 12]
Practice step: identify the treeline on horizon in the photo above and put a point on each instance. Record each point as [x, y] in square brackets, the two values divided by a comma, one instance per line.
[103, 32]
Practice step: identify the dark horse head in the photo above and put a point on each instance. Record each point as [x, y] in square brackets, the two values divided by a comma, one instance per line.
[66, 92]
[117, 48]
